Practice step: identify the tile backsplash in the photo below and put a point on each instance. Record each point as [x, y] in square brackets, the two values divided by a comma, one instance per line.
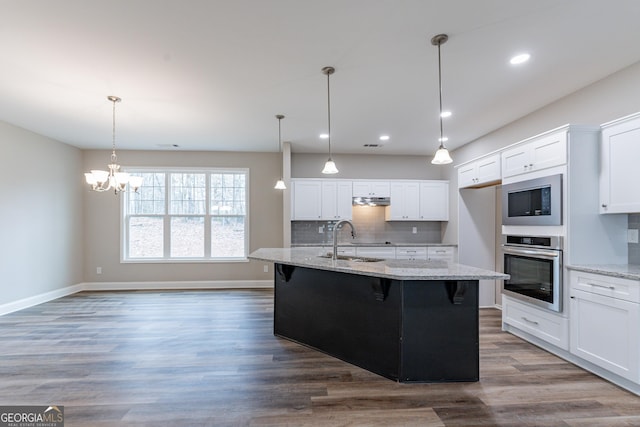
[634, 248]
[370, 228]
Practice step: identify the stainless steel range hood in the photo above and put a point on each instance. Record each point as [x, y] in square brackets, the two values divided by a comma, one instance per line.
[371, 201]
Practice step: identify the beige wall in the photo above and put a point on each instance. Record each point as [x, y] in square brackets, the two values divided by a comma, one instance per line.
[615, 96]
[40, 215]
[102, 219]
[366, 166]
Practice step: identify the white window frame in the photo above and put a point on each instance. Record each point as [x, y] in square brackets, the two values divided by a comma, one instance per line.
[167, 259]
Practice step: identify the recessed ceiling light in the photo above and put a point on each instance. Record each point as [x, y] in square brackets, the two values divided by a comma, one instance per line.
[519, 59]
[384, 137]
[445, 114]
[324, 135]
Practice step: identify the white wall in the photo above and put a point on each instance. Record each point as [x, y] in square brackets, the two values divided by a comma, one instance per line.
[40, 215]
[615, 96]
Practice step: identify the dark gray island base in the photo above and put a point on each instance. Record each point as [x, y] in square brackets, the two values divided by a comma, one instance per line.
[407, 320]
[405, 330]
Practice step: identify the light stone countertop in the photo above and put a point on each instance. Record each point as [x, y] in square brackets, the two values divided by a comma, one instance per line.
[361, 244]
[388, 268]
[624, 271]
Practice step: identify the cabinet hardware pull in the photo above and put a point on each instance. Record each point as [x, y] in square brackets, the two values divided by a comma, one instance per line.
[602, 286]
[604, 205]
[530, 321]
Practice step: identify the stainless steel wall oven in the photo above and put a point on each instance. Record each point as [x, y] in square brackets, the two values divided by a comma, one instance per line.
[535, 266]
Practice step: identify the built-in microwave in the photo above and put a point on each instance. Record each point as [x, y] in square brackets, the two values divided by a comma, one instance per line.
[533, 202]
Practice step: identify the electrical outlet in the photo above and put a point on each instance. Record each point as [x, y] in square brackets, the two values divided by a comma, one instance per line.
[98, 270]
[265, 268]
[321, 229]
[415, 230]
[632, 235]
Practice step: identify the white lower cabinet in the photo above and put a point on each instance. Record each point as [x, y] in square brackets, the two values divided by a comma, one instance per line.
[605, 328]
[542, 324]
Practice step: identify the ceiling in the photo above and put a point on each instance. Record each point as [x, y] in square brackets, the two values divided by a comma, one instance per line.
[212, 74]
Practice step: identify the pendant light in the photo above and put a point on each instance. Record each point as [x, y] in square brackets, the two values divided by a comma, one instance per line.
[442, 156]
[329, 166]
[280, 184]
[101, 180]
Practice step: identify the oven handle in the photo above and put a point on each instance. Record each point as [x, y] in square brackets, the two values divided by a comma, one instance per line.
[538, 253]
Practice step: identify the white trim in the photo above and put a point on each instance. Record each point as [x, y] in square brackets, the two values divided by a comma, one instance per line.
[21, 304]
[200, 284]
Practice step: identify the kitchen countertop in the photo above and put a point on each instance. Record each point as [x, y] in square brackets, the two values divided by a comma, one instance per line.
[624, 271]
[359, 244]
[388, 268]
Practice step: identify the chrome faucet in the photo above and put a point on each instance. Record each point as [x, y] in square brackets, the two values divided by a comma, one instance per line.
[335, 235]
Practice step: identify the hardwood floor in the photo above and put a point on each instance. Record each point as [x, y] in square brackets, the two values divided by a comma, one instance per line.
[209, 358]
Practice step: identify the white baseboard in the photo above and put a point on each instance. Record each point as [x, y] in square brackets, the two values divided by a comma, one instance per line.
[21, 304]
[131, 286]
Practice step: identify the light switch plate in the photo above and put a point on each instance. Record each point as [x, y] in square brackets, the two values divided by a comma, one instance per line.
[632, 235]
[415, 230]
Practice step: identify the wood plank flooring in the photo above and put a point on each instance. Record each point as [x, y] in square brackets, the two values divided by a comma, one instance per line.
[209, 358]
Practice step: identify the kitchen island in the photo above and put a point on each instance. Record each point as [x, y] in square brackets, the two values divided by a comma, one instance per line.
[407, 320]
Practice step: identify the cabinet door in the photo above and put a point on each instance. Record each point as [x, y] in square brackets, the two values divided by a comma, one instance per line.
[371, 189]
[619, 171]
[329, 205]
[344, 200]
[405, 202]
[380, 188]
[488, 169]
[605, 332]
[307, 197]
[548, 151]
[515, 161]
[336, 200]
[434, 201]
[467, 175]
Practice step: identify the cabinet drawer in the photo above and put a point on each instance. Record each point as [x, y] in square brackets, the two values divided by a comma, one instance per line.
[376, 252]
[614, 287]
[541, 324]
[411, 253]
[441, 252]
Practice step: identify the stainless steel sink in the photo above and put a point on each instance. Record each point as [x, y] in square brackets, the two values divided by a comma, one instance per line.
[352, 258]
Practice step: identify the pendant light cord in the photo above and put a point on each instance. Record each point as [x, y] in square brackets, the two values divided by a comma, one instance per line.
[329, 112]
[440, 85]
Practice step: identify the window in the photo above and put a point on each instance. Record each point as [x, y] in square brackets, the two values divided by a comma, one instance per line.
[186, 215]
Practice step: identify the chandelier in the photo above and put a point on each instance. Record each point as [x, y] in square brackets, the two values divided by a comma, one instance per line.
[101, 180]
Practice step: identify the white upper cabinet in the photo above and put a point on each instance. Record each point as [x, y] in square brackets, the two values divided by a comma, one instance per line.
[336, 200]
[480, 172]
[314, 200]
[307, 200]
[371, 189]
[434, 201]
[405, 201]
[619, 171]
[418, 201]
[543, 152]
